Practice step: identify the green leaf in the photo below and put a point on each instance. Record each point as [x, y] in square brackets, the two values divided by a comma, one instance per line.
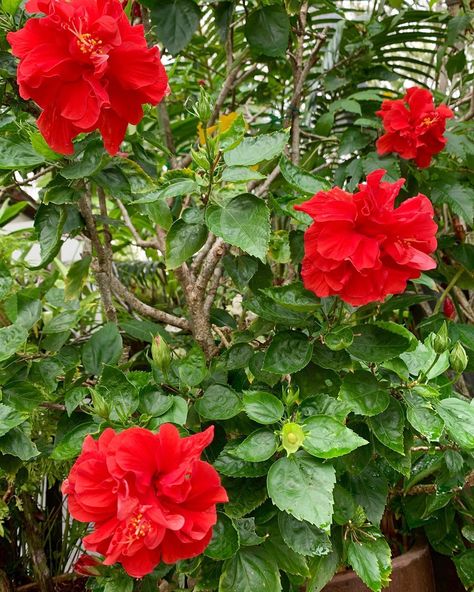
[6, 280]
[375, 344]
[256, 149]
[371, 561]
[225, 539]
[251, 569]
[248, 536]
[16, 154]
[240, 174]
[267, 30]
[458, 417]
[244, 222]
[192, 369]
[182, 241]
[465, 567]
[219, 402]
[327, 438]
[300, 179]
[76, 277]
[89, 163]
[177, 413]
[421, 416]
[153, 402]
[238, 356]
[323, 569]
[302, 486]
[17, 443]
[289, 561]
[12, 339]
[227, 464]
[74, 398]
[104, 347]
[364, 393]
[120, 394]
[293, 297]
[9, 418]
[175, 22]
[459, 197]
[49, 223]
[370, 490]
[322, 404]
[259, 446]
[303, 537]
[245, 495]
[10, 6]
[262, 407]
[289, 352]
[142, 329]
[70, 446]
[388, 426]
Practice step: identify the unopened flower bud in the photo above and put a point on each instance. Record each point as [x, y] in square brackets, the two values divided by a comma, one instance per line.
[458, 358]
[292, 437]
[449, 310]
[87, 565]
[203, 108]
[291, 396]
[100, 405]
[160, 352]
[441, 341]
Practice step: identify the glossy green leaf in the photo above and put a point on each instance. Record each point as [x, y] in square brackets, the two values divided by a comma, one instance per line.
[9, 418]
[49, 224]
[244, 222]
[251, 569]
[17, 443]
[375, 344]
[175, 22]
[12, 338]
[182, 241]
[458, 417]
[301, 179]
[16, 154]
[371, 560]
[267, 30]
[302, 486]
[364, 393]
[219, 402]
[258, 446]
[388, 426]
[225, 539]
[303, 537]
[289, 352]
[262, 407]
[327, 438]
[256, 149]
[104, 347]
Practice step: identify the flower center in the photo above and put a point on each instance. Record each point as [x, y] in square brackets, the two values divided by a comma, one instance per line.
[88, 44]
[429, 120]
[138, 527]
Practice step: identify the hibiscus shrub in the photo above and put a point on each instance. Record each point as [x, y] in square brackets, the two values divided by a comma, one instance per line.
[235, 342]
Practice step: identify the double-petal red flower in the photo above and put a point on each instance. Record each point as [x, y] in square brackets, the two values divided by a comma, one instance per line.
[149, 496]
[414, 127]
[360, 247]
[88, 68]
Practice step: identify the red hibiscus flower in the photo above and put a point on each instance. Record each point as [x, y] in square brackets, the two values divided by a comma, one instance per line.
[414, 126]
[360, 247]
[149, 496]
[88, 68]
[87, 565]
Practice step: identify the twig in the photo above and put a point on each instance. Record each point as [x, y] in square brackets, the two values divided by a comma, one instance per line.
[144, 244]
[212, 288]
[208, 265]
[28, 180]
[145, 309]
[35, 544]
[265, 186]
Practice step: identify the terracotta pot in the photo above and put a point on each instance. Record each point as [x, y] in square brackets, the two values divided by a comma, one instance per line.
[412, 572]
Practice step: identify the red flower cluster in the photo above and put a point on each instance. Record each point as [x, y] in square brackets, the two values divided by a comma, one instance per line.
[360, 247]
[149, 496]
[88, 68]
[414, 126]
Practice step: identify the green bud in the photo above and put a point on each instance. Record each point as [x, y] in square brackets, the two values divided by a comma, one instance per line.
[458, 358]
[290, 396]
[160, 352]
[203, 107]
[200, 158]
[101, 407]
[292, 437]
[441, 342]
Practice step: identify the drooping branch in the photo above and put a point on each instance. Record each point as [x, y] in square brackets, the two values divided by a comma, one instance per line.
[35, 544]
[145, 309]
